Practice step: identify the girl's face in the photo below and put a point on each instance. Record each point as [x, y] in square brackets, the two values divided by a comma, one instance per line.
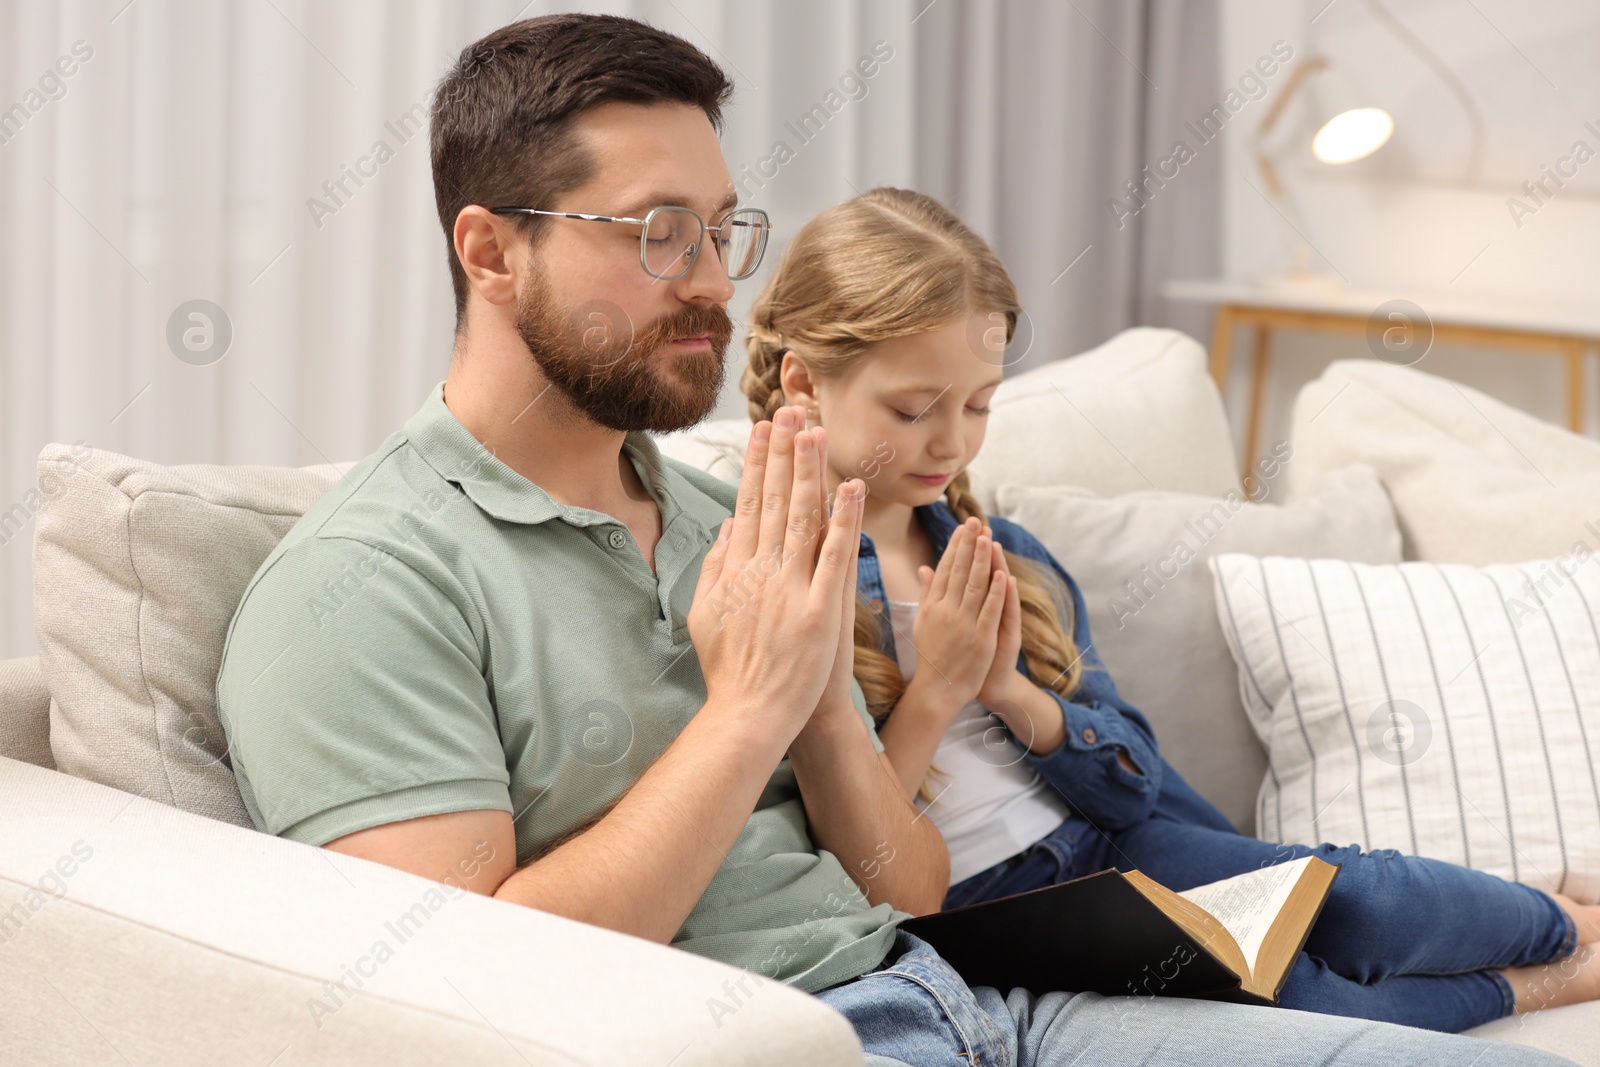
[911, 414]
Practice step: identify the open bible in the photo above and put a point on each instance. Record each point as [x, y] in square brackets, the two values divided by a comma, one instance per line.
[1122, 934]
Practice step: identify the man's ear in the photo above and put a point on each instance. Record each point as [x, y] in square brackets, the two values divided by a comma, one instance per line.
[484, 248]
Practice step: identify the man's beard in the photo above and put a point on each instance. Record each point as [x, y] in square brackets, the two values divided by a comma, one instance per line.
[618, 378]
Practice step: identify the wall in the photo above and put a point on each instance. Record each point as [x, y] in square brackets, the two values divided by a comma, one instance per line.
[1404, 219]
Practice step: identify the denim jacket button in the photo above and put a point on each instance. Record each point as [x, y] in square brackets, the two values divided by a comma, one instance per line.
[1088, 735]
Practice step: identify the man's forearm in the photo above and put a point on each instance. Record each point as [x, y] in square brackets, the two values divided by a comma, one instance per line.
[858, 810]
[642, 867]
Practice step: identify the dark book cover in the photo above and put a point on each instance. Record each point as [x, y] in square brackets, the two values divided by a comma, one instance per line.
[1093, 934]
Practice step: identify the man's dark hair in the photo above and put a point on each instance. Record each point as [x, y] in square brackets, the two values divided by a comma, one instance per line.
[502, 118]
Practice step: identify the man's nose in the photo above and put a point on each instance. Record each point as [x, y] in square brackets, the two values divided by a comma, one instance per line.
[707, 278]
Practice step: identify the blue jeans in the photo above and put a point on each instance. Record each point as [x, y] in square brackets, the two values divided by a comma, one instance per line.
[1401, 939]
[915, 1010]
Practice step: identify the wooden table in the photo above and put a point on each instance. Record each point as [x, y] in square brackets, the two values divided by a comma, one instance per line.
[1567, 333]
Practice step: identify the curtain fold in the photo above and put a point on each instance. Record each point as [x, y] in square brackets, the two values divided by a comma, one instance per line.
[1037, 114]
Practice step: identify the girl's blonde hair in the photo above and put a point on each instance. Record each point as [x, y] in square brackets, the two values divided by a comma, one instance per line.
[887, 264]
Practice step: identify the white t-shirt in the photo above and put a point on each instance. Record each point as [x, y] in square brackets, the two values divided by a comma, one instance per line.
[989, 802]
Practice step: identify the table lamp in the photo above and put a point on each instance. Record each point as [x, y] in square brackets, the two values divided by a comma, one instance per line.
[1348, 128]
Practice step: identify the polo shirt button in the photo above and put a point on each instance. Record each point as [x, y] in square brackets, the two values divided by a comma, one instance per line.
[1088, 735]
[618, 538]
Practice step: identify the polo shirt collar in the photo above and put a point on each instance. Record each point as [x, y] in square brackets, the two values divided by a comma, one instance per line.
[460, 458]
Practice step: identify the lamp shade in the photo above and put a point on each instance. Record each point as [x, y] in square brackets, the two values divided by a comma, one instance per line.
[1352, 135]
[1348, 126]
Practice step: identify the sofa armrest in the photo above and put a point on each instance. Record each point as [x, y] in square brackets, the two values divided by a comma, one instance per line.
[25, 712]
[172, 938]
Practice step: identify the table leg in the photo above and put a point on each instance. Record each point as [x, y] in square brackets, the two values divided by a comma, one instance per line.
[1573, 348]
[1258, 388]
[1222, 346]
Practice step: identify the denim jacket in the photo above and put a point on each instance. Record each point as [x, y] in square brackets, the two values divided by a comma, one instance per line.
[1084, 769]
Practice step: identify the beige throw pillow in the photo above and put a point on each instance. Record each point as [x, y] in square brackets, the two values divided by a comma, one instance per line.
[1139, 561]
[138, 568]
[1473, 479]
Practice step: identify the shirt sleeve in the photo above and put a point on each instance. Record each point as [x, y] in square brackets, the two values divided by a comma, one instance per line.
[352, 695]
[860, 700]
[1099, 722]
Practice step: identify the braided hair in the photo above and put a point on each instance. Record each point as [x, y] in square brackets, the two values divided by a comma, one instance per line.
[891, 263]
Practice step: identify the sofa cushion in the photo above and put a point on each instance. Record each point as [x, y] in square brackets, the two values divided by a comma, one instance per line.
[1473, 479]
[1137, 559]
[1438, 709]
[138, 568]
[1568, 1031]
[25, 712]
[1139, 412]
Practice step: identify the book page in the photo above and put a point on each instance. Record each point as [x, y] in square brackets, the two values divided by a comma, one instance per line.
[1247, 903]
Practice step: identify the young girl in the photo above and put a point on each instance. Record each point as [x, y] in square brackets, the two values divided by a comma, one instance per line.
[884, 318]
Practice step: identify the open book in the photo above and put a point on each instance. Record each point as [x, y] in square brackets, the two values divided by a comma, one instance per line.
[1125, 934]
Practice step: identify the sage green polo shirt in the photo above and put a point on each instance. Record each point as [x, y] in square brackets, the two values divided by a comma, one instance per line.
[438, 634]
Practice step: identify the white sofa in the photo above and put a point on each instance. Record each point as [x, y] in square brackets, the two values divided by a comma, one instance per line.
[159, 928]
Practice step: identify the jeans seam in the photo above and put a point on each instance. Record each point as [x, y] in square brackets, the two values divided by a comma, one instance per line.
[966, 1042]
[1569, 944]
[1063, 857]
[1004, 867]
[1488, 968]
[1507, 995]
[1569, 941]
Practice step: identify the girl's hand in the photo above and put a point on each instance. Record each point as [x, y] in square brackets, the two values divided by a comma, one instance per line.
[958, 621]
[1003, 673]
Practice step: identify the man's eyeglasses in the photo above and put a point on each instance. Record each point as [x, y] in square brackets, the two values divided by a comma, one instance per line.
[670, 238]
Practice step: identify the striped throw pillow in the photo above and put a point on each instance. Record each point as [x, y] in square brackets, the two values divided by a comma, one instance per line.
[1438, 709]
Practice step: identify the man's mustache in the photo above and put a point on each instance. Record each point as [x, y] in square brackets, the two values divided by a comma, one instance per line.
[692, 321]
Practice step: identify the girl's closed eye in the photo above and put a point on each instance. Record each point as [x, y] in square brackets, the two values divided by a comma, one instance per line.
[904, 417]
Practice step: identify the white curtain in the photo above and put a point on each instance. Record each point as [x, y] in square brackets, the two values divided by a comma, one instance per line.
[265, 156]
